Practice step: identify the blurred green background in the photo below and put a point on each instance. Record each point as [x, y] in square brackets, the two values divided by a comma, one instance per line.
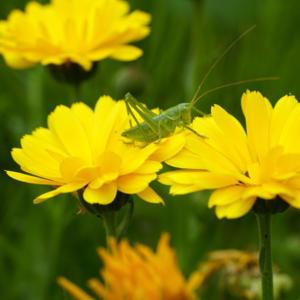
[40, 242]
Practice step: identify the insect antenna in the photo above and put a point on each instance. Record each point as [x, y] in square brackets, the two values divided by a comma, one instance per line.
[235, 83]
[219, 60]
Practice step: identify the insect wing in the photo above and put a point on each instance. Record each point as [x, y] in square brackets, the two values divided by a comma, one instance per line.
[172, 113]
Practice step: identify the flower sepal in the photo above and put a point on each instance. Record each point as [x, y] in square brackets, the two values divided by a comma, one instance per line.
[98, 209]
[71, 73]
[273, 206]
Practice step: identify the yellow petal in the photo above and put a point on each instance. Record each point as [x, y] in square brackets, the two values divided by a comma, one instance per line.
[150, 196]
[148, 167]
[104, 195]
[98, 288]
[290, 133]
[294, 182]
[39, 175]
[134, 183]
[16, 61]
[67, 128]
[67, 188]
[70, 166]
[217, 140]
[258, 191]
[31, 179]
[109, 162]
[36, 151]
[55, 60]
[109, 134]
[207, 180]
[277, 188]
[254, 172]
[213, 160]
[268, 165]
[288, 163]
[85, 116]
[57, 156]
[257, 113]
[202, 179]
[48, 141]
[236, 209]
[87, 173]
[186, 159]
[126, 53]
[226, 195]
[165, 179]
[96, 183]
[182, 189]
[103, 107]
[281, 113]
[295, 202]
[100, 53]
[135, 157]
[168, 148]
[73, 289]
[233, 131]
[22, 159]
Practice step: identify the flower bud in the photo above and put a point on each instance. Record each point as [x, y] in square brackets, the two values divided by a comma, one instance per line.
[131, 79]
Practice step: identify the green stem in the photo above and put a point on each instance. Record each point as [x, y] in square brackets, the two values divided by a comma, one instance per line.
[35, 97]
[109, 221]
[265, 259]
[74, 92]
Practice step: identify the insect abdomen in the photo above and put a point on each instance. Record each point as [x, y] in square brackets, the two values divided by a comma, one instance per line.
[136, 134]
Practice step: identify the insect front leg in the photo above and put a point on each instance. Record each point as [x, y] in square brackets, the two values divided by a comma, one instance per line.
[200, 112]
[192, 130]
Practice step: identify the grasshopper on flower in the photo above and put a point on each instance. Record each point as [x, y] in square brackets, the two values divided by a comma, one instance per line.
[155, 127]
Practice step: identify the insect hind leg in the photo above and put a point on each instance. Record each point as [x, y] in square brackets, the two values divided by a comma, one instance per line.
[129, 98]
[159, 132]
[138, 124]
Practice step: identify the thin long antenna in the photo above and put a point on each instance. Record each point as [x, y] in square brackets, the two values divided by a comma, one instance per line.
[220, 58]
[235, 83]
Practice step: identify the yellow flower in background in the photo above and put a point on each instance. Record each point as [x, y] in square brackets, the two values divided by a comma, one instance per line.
[76, 31]
[232, 261]
[82, 149]
[264, 163]
[138, 273]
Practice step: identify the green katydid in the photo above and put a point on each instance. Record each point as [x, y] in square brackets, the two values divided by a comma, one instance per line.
[155, 127]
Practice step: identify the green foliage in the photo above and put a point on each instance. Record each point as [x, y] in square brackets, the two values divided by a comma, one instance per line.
[40, 242]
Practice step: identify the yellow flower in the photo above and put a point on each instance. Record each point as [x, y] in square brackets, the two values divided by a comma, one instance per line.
[233, 262]
[78, 31]
[82, 150]
[135, 274]
[264, 163]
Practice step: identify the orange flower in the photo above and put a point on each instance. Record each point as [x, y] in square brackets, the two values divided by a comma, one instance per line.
[135, 274]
